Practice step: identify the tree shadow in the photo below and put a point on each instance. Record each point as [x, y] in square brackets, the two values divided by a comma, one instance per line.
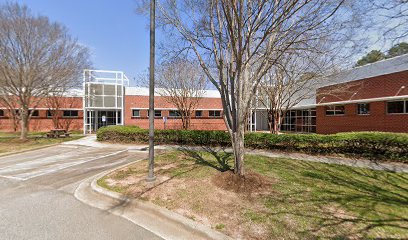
[345, 202]
[222, 157]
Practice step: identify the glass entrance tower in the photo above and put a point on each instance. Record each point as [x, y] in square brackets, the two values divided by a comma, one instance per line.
[104, 93]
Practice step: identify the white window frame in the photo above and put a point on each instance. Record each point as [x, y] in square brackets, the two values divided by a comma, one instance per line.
[335, 111]
[135, 115]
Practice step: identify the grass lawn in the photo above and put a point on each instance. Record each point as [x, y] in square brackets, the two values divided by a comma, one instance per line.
[280, 198]
[10, 142]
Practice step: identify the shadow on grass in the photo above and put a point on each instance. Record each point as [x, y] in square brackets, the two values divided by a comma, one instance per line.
[316, 200]
[340, 202]
[220, 155]
[221, 164]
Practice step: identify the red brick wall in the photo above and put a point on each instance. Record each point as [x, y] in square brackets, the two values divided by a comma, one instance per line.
[375, 87]
[41, 123]
[377, 120]
[161, 103]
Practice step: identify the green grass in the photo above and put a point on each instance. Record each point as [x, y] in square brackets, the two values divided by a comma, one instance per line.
[323, 197]
[307, 200]
[102, 182]
[10, 142]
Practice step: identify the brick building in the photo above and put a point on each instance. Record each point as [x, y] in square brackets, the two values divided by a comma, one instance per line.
[368, 98]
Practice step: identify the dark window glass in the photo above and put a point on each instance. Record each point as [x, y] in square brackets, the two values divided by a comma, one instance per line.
[330, 110]
[70, 113]
[1, 113]
[49, 113]
[135, 113]
[363, 108]
[214, 113]
[335, 110]
[198, 113]
[174, 113]
[340, 110]
[157, 113]
[395, 107]
[35, 113]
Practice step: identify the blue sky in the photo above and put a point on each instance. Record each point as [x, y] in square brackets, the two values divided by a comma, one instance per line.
[117, 37]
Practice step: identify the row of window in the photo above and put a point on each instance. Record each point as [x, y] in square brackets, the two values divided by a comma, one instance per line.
[394, 107]
[177, 114]
[36, 113]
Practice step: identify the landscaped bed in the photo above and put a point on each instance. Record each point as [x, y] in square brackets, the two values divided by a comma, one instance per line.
[10, 142]
[278, 198]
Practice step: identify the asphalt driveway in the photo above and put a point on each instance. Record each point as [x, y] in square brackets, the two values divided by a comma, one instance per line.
[37, 201]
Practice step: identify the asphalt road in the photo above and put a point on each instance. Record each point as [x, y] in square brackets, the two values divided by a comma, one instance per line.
[37, 201]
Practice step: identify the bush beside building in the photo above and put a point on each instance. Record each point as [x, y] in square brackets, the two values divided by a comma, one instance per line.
[371, 145]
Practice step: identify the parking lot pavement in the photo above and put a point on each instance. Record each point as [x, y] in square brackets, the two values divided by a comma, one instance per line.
[36, 195]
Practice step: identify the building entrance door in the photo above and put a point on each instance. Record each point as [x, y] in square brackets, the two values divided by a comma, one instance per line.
[107, 118]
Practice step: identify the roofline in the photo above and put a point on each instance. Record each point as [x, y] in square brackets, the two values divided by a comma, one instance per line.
[355, 101]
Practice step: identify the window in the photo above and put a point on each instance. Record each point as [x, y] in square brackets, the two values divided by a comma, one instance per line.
[299, 121]
[174, 113]
[135, 113]
[198, 113]
[34, 113]
[1, 113]
[70, 113]
[363, 108]
[50, 113]
[214, 113]
[397, 107]
[335, 110]
[157, 113]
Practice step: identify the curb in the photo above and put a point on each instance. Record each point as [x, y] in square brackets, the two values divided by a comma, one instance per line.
[199, 230]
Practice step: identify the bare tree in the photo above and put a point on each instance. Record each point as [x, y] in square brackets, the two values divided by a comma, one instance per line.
[237, 42]
[286, 85]
[57, 102]
[183, 84]
[10, 104]
[392, 17]
[36, 58]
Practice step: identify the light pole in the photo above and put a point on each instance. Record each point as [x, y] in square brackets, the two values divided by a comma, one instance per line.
[150, 176]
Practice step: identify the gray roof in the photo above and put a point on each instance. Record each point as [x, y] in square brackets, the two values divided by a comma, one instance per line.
[383, 67]
[387, 66]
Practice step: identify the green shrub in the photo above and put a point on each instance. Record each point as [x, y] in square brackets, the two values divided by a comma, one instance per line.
[372, 145]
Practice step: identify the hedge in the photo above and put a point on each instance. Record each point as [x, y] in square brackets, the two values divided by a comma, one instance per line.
[372, 145]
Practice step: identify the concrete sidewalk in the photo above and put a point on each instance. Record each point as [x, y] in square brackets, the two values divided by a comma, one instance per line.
[360, 163]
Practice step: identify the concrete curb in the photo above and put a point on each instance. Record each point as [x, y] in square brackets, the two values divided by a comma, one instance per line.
[163, 222]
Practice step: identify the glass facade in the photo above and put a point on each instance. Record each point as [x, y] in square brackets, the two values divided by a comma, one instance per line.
[300, 121]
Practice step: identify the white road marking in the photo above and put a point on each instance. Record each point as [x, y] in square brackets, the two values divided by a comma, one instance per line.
[18, 172]
[11, 177]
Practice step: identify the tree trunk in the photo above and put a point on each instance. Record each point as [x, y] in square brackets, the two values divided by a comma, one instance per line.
[24, 124]
[276, 124]
[239, 150]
